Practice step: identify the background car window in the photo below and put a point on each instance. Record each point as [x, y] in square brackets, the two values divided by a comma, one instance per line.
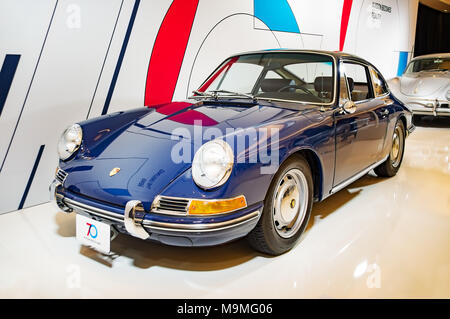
[378, 83]
[433, 64]
[358, 81]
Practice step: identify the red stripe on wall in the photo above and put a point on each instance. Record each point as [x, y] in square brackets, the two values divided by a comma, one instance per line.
[344, 22]
[168, 52]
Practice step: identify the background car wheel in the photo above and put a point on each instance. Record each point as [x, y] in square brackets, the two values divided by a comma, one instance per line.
[392, 164]
[287, 208]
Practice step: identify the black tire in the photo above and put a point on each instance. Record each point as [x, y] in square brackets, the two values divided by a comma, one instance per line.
[391, 166]
[265, 237]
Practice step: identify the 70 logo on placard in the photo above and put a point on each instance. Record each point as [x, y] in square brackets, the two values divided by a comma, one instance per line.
[91, 230]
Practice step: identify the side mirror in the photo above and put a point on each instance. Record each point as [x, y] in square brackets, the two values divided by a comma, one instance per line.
[349, 107]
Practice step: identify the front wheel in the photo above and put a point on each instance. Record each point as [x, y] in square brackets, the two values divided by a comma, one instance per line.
[287, 208]
[392, 164]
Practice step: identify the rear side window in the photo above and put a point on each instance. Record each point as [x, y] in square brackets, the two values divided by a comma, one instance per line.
[358, 81]
[379, 85]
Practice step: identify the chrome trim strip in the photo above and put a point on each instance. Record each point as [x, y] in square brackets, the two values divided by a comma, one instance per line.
[165, 226]
[357, 176]
[202, 227]
[94, 210]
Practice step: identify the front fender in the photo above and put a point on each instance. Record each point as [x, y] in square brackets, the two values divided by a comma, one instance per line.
[98, 130]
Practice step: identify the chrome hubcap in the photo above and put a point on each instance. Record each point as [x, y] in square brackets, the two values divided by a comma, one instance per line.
[397, 146]
[290, 203]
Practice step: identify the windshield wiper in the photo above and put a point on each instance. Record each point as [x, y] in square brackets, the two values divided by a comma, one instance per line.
[215, 94]
[204, 93]
[234, 93]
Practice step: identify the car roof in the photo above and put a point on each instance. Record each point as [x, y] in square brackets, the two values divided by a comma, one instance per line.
[434, 55]
[338, 55]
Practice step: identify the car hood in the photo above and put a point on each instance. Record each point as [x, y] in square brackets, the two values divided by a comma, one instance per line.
[143, 148]
[423, 83]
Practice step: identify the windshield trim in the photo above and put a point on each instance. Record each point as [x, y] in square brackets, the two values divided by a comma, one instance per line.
[333, 101]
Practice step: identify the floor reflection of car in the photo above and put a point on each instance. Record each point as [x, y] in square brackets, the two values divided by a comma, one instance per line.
[311, 122]
[425, 85]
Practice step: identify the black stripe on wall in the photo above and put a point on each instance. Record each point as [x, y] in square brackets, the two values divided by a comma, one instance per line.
[30, 179]
[121, 55]
[6, 76]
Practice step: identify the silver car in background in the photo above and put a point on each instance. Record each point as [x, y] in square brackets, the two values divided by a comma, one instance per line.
[425, 85]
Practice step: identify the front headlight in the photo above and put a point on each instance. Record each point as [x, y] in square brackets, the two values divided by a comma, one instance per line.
[212, 164]
[70, 141]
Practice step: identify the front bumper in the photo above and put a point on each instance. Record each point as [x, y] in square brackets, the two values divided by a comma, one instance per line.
[171, 230]
[429, 107]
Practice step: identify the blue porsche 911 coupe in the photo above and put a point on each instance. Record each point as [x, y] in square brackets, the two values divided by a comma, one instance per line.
[267, 134]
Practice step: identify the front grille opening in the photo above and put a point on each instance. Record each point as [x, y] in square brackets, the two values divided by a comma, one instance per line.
[174, 205]
[61, 175]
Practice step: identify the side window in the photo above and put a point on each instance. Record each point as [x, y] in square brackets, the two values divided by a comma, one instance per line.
[343, 89]
[272, 75]
[358, 81]
[379, 85]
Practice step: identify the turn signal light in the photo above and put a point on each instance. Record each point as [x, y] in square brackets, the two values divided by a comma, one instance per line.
[210, 207]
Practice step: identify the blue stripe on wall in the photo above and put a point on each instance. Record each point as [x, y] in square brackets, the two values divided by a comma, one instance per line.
[30, 179]
[121, 55]
[6, 77]
[276, 14]
[402, 61]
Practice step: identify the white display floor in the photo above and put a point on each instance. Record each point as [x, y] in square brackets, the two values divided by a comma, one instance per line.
[377, 238]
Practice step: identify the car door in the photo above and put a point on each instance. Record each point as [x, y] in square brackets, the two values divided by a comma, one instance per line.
[383, 108]
[359, 135]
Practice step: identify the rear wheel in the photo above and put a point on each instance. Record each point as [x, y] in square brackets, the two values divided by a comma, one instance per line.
[392, 164]
[287, 208]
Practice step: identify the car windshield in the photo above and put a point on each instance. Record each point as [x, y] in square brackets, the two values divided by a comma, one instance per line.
[303, 77]
[433, 64]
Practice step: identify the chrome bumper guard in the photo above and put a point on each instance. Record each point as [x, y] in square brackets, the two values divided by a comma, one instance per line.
[57, 199]
[133, 225]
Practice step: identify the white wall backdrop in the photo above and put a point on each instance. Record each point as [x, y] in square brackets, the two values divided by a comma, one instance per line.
[67, 60]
